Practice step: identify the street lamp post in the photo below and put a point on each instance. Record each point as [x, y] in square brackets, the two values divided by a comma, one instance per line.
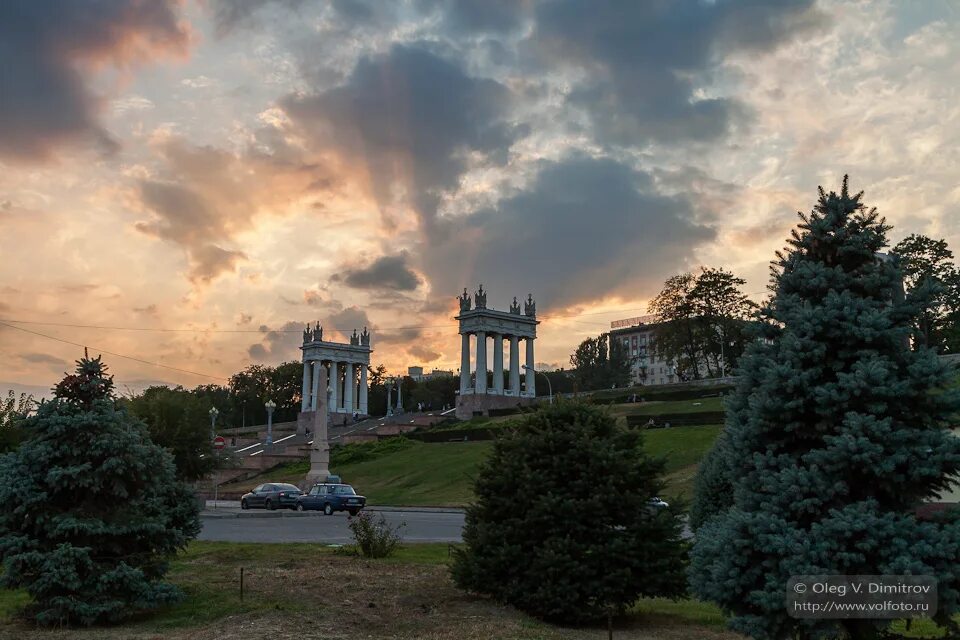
[270, 405]
[216, 479]
[213, 421]
[545, 377]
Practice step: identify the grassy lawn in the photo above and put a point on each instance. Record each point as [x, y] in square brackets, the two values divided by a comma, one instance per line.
[683, 448]
[310, 590]
[655, 407]
[303, 590]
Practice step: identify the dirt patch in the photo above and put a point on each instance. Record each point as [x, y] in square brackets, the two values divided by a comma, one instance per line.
[328, 596]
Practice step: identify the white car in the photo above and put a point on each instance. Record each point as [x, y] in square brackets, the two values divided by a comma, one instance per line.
[657, 503]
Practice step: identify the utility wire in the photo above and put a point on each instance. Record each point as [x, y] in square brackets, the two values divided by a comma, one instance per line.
[111, 353]
[258, 331]
[187, 330]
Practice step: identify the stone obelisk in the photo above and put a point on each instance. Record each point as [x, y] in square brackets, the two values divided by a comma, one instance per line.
[320, 450]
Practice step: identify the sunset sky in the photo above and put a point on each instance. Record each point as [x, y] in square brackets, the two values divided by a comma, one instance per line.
[211, 175]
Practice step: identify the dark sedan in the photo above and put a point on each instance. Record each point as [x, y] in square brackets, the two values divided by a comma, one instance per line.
[331, 497]
[273, 495]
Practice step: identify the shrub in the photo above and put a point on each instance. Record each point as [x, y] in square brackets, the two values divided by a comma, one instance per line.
[92, 509]
[374, 538]
[562, 528]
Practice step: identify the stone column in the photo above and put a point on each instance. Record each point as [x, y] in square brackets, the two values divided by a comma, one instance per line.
[354, 387]
[362, 402]
[481, 384]
[531, 375]
[348, 387]
[334, 387]
[314, 386]
[400, 394]
[514, 366]
[464, 363]
[305, 393]
[498, 364]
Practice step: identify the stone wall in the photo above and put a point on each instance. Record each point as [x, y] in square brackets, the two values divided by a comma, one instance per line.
[471, 404]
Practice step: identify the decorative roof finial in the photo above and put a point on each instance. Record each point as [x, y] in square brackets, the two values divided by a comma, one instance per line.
[464, 300]
[481, 298]
[530, 307]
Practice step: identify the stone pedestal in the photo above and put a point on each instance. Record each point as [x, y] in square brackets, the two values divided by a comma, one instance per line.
[471, 404]
[320, 450]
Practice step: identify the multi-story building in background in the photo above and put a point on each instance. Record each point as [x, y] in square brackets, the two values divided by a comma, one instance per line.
[637, 336]
[417, 374]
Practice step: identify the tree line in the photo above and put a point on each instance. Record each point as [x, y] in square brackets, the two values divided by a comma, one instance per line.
[704, 321]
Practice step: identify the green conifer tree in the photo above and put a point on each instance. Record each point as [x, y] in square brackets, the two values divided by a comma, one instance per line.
[836, 434]
[92, 510]
[562, 528]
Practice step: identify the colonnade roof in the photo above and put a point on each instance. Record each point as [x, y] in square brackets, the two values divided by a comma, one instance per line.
[336, 351]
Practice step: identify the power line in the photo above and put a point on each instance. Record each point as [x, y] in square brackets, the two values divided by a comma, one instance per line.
[259, 331]
[111, 353]
[189, 330]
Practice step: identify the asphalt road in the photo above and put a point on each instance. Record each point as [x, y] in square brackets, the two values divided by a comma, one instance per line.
[419, 527]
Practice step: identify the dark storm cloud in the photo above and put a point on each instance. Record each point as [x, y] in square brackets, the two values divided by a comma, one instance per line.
[186, 218]
[400, 335]
[278, 345]
[425, 354]
[410, 117]
[42, 358]
[209, 261]
[346, 320]
[585, 228]
[208, 194]
[45, 99]
[386, 272]
[644, 59]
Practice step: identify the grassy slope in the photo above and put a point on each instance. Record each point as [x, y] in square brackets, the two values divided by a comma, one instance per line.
[439, 474]
[660, 408]
[683, 448]
[424, 474]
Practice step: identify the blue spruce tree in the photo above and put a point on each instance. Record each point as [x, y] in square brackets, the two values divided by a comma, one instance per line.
[92, 510]
[835, 435]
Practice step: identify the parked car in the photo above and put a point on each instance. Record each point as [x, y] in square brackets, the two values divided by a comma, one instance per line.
[657, 503]
[272, 495]
[329, 497]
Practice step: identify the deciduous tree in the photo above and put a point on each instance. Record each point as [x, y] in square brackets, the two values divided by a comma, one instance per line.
[179, 422]
[932, 281]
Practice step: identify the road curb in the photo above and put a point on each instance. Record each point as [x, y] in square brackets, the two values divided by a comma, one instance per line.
[233, 510]
[417, 509]
[215, 515]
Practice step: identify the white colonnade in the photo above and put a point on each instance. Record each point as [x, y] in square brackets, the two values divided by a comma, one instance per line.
[500, 327]
[346, 364]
